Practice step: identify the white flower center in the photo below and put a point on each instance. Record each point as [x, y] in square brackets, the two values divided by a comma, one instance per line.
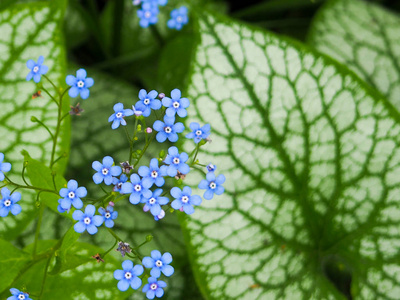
[146, 101]
[104, 171]
[159, 263]
[87, 220]
[185, 199]
[80, 83]
[21, 297]
[35, 69]
[167, 129]
[212, 185]
[7, 203]
[71, 195]
[176, 104]
[119, 115]
[179, 19]
[154, 174]
[107, 215]
[128, 275]
[153, 286]
[152, 200]
[138, 188]
[147, 14]
[199, 132]
[176, 160]
[119, 185]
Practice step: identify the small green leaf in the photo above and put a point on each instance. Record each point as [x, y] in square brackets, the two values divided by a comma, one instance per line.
[364, 37]
[311, 157]
[11, 262]
[28, 31]
[42, 177]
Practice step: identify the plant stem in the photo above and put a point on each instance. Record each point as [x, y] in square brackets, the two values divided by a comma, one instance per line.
[45, 276]
[47, 128]
[108, 251]
[29, 187]
[38, 229]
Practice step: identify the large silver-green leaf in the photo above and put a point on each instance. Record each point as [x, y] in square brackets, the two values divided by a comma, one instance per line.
[28, 31]
[366, 38]
[312, 163]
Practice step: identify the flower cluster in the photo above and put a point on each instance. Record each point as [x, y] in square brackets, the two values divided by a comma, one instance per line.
[157, 263]
[148, 14]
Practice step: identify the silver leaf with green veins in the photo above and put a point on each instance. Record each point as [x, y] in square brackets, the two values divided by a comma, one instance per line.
[28, 31]
[366, 38]
[312, 162]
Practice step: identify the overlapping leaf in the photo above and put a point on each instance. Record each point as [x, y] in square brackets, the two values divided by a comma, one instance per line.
[366, 38]
[28, 31]
[312, 161]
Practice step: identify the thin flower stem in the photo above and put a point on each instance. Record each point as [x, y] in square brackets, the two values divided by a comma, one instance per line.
[51, 97]
[53, 150]
[51, 82]
[60, 157]
[108, 251]
[37, 232]
[130, 144]
[144, 149]
[64, 116]
[23, 175]
[195, 155]
[107, 193]
[45, 276]
[47, 128]
[29, 187]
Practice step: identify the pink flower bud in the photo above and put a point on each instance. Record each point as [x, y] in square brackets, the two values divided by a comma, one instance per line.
[149, 130]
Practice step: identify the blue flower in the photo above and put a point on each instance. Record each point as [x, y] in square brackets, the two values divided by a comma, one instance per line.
[179, 17]
[184, 199]
[118, 117]
[79, 84]
[119, 182]
[176, 162]
[87, 221]
[37, 69]
[18, 295]
[213, 185]
[211, 168]
[176, 104]
[105, 171]
[148, 102]
[159, 264]
[148, 14]
[198, 133]
[138, 108]
[4, 166]
[72, 195]
[156, 2]
[60, 209]
[108, 215]
[136, 189]
[9, 203]
[167, 129]
[159, 216]
[129, 276]
[153, 175]
[154, 201]
[154, 288]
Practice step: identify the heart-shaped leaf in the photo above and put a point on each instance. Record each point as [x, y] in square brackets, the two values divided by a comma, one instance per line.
[364, 37]
[311, 157]
[28, 31]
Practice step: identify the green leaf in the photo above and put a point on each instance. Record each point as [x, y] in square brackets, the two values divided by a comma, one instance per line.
[11, 262]
[28, 31]
[311, 157]
[364, 37]
[85, 279]
[42, 177]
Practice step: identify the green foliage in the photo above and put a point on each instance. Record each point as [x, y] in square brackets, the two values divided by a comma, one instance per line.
[365, 38]
[311, 157]
[28, 31]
